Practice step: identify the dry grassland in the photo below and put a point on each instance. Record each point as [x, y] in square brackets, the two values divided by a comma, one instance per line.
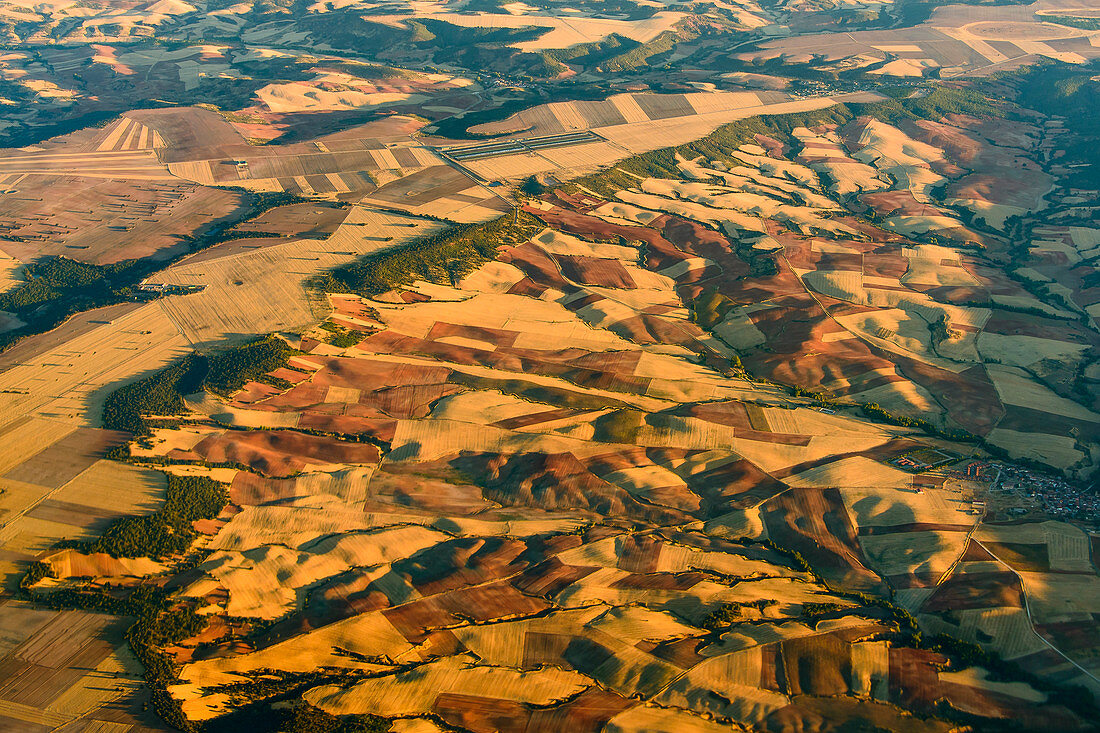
[414, 692]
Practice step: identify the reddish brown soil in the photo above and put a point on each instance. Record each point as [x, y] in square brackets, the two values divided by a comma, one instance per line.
[734, 415]
[477, 604]
[280, 453]
[586, 713]
[315, 220]
[1027, 419]
[371, 427]
[973, 590]
[193, 133]
[899, 203]
[569, 363]
[537, 418]
[462, 562]
[973, 402]
[917, 527]
[103, 221]
[556, 481]
[595, 271]
[733, 486]
[551, 577]
[684, 653]
[816, 665]
[815, 523]
[491, 335]
[423, 486]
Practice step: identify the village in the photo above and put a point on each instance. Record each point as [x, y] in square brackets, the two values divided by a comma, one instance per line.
[1021, 490]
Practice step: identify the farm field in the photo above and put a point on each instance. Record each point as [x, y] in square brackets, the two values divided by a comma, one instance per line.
[103, 222]
[62, 668]
[560, 454]
[350, 551]
[957, 40]
[908, 311]
[602, 366]
[623, 125]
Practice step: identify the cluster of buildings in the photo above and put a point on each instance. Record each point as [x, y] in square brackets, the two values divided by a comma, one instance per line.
[1051, 494]
[169, 289]
[924, 459]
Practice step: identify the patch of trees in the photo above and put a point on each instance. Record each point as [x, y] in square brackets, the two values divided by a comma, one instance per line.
[432, 32]
[533, 187]
[941, 101]
[222, 372]
[941, 330]
[347, 339]
[169, 531]
[442, 258]
[914, 12]
[721, 143]
[649, 54]
[28, 133]
[761, 264]
[814, 610]
[730, 613]
[342, 337]
[37, 571]
[483, 48]
[876, 411]
[298, 718]
[159, 394]
[797, 561]
[273, 704]
[58, 287]
[1069, 92]
[709, 308]
[371, 71]
[160, 620]
[229, 370]
[595, 53]
[905, 620]
[1028, 310]
[1086, 24]
[234, 92]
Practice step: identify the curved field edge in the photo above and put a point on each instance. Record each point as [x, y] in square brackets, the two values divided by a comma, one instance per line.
[439, 260]
[57, 287]
[169, 535]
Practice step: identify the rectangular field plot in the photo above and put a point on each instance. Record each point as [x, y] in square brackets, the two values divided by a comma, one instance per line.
[59, 667]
